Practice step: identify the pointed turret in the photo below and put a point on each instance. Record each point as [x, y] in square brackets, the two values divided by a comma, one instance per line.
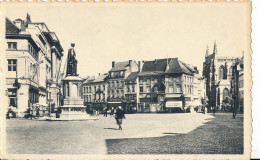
[215, 51]
[207, 52]
[28, 18]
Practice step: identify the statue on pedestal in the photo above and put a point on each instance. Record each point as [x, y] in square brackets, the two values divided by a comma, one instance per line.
[71, 62]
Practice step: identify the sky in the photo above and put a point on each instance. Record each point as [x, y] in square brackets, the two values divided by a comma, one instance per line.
[119, 32]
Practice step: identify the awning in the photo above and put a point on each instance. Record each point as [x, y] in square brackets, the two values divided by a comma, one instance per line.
[173, 104]
[114, 102]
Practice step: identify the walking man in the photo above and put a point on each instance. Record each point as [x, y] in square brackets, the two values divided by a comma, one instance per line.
[105, 112]
[119, 117]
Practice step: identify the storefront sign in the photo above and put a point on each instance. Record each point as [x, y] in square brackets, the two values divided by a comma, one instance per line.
[172, 104]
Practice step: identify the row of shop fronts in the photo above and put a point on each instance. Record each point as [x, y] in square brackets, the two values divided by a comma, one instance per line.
[176, 103]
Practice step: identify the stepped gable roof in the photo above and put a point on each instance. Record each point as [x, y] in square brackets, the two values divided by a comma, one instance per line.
[132, 76]
[101, 78]
[10, 27]
[119, 66]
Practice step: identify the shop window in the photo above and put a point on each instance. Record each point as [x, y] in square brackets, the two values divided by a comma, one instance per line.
[12, 64]
[12, 45]
[12, 97]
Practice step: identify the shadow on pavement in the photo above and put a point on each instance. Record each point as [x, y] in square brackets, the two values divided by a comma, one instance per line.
[221, 135]
[170, 133]
[112, 128]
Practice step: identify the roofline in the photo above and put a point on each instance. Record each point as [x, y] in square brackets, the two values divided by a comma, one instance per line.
[41, 23]
[22, 36]
[13, 23]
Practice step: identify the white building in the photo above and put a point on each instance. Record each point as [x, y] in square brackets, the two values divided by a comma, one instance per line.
[34, 56]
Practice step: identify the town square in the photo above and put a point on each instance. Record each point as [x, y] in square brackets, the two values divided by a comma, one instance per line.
[151, 83]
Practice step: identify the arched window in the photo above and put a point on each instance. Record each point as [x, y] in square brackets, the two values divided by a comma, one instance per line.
[222, 72]
[225, 93]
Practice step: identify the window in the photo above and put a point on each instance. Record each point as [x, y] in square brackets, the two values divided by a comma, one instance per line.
[12, 97]
[222, 72]
[148, 89]
[113, 94]
[133, 88]
[12, 64]
[171, 89]
[141, 89]
[155, 80]
[122, 93]
[148, 81]
[141, 81]
[179, 88]
[225, 93]
[12, 45]
[117, 93]
[128, 88]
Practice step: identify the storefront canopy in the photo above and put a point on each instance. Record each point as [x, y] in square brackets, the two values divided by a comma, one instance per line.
[173, 104]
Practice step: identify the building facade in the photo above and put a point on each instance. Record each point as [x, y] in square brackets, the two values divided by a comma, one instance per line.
[116, 82]
[88, 95]
[33, 60]
[99, 86]
[237, 84]
[131, 92]
[166, 85]
[217, 73]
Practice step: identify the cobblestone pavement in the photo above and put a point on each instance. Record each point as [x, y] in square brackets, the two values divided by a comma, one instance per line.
[141, 134]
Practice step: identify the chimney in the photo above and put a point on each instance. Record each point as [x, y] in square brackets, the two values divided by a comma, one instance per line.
[139, 66]
[99, 74]
[155, 61]
[19, 23]
[130, 61]
[113, 64]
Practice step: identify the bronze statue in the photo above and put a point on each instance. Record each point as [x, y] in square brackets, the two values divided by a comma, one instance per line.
[71, 62]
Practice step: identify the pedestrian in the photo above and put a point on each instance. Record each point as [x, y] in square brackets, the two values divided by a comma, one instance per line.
[38, 112]
[112, 112]
[119, 115]
[105, 112]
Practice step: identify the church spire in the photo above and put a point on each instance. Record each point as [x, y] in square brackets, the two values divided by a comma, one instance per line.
[207, 51]
[28, 18]
[215, 51]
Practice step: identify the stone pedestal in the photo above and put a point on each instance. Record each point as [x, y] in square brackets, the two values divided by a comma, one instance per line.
[73, 108]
